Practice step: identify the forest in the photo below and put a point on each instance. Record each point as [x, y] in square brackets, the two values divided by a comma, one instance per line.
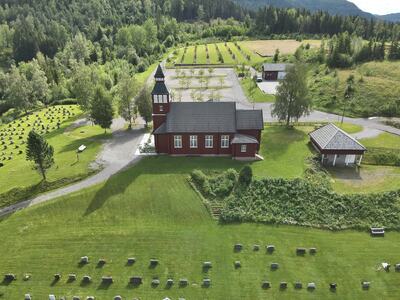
[61, 51]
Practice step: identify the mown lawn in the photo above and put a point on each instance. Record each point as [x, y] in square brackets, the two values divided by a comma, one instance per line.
[150, 211]
[19, 172]
[253, 92]
[384, 140]
[349, 128]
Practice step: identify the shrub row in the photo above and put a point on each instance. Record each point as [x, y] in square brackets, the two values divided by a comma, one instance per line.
[281, 201]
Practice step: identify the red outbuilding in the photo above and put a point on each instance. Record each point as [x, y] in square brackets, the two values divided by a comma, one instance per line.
[203, 128]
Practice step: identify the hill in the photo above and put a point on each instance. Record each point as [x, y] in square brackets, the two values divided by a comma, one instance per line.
[390, 17]
[335, 7]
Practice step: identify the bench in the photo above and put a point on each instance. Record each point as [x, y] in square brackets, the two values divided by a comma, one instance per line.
[377, 231]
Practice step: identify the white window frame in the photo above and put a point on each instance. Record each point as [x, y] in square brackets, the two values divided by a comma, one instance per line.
[161, 108]
[165, 98]
[155, 98]
[177, 141]
[193, 142]
[225, 141]
[243, 148]
[209, 141]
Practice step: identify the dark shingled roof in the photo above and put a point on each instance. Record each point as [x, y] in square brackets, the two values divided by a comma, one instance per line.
[330, 137]
[249, 119]
[159, 72]
[160, 89]
[244, 139]
[276, 67]
[201, 117]
[209, 117]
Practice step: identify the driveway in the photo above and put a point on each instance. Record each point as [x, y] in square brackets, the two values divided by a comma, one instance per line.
[268, 87]
[117, 154]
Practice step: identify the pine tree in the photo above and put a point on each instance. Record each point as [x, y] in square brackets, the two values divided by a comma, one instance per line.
[40, 152]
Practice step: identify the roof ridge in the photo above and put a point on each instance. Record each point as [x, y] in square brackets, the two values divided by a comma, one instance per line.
[327, 143]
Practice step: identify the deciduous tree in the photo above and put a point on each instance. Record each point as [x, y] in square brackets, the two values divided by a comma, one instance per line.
[144, 104]
[292, 100]
[127, 90]
[101, 110]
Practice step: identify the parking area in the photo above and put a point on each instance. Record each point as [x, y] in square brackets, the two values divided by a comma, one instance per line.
[189, 85]
[268, 87]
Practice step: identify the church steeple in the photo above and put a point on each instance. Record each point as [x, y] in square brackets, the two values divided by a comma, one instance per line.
[161, 98]
[159, 75]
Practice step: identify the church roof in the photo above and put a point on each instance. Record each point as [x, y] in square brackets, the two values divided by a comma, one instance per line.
[249, 119]
[209, 117]
[159, 72]
[244, 139]
[330, 137]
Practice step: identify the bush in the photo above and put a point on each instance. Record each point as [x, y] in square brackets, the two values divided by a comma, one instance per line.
[245, 176]
[142, 66]
[219, 186]
[201, 182]
[299, 202]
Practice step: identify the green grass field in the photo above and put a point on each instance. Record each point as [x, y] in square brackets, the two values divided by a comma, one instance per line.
[376, 89]
[385, 140]
[150, 211]
[349, 128]
[253, 92]
[65, 140]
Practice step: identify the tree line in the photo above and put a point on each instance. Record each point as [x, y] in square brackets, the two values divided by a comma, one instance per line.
[54, 51]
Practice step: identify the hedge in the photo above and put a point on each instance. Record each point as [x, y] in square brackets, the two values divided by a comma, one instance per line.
[299, 202]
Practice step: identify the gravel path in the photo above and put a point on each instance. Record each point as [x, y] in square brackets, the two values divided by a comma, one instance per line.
[117, 154]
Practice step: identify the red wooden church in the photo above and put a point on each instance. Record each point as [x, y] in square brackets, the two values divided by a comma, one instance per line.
[206, 128]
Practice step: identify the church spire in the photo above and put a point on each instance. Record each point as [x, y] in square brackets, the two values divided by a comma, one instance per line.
[159, 75]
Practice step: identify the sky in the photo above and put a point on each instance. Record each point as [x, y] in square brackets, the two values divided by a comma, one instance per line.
[380, 7]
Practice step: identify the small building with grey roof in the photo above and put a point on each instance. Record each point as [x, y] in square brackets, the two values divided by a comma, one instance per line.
[203, 128]
[337, 147]
[274, 72]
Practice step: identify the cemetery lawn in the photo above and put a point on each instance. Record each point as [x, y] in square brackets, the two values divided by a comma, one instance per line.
[65, 140]
[150, 211]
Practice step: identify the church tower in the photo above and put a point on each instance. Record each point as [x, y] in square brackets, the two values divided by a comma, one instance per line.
[161, 99]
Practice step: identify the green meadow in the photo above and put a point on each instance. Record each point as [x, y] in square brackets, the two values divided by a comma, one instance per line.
[150, 211]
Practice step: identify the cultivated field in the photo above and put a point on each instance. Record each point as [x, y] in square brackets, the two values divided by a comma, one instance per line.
[56, 124]
[266, 48]
[215, 54]
[128, 217]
